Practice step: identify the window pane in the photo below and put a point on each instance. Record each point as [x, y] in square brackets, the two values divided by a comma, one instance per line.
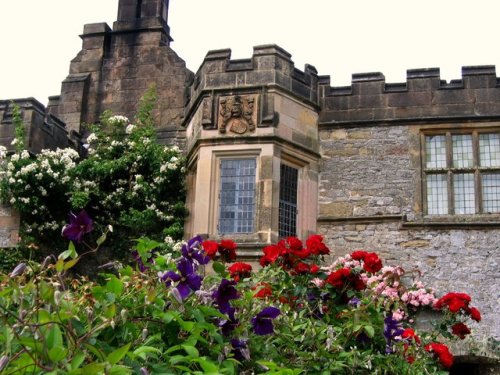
[288, 201]
[437, 194]
[463, 187]
[491, 193]
[489, 150]
[237, 196]
[435, 151]
[462, 151]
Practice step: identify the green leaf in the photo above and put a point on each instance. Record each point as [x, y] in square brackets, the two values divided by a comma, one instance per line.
[70, 263]
[93, 368]
[60, 265]
[115, 285]
[370, 331]
[98, 353]
[101, 239]
[219, 268]
[57, 353]
[191, 350]
[116, 356]
[207, 366]
[77, 360]
[120, 370]
[54, 337]
[71, 252]
[143, 351]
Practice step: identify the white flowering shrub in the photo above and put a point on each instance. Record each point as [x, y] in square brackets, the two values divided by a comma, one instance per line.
[127, 180]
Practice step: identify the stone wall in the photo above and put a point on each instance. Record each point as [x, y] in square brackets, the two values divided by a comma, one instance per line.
[370, 190]
[9, 226]
[116, 67]
[454, 260]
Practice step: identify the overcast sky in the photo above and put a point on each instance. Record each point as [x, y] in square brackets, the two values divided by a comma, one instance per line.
[339, 37]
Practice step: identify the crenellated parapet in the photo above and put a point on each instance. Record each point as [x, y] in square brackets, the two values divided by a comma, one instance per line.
[423, 97]
[42, 129]
[269, 68]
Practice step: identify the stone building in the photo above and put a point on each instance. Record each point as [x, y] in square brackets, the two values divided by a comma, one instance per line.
[409, 170]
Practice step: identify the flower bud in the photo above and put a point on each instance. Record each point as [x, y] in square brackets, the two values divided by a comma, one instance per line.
[4, 362]
[144, 334]
[112, 323]
[19, 270]
[57, 297]
[123, 314]
[144, 371]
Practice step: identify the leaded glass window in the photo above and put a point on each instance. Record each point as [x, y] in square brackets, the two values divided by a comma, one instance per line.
[237, 196]
[462, 173]
[288, 201]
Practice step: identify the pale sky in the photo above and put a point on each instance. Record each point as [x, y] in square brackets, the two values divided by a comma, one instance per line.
[38, 38]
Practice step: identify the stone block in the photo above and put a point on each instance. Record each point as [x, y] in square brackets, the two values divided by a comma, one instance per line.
[336, 209]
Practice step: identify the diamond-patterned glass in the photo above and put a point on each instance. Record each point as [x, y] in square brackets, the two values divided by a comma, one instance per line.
[237, 195]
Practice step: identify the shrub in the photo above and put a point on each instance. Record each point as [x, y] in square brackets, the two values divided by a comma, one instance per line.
[127, 180]
[291, 316]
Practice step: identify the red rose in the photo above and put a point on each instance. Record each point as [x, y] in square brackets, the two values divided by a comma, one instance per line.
[454, 302]
[264, 291]
[294, 243]
[210, 248]
[301, 268]
[240, 270]
[474, 314]
[316, 246]
[460, 330]
[227, 250]
[314, 268]
[410, 335]
[358, 255]
[372, 263]
[338, 278]
[271, 254]
[443, 353]
[302, 253]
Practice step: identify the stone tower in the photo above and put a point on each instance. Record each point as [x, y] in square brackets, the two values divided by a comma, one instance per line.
[115, 67]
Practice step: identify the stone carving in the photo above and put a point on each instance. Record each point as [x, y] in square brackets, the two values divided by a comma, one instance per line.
[237, 114]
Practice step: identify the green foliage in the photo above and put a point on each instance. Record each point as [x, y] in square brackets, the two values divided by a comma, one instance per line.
[127, 180]
[131, 322]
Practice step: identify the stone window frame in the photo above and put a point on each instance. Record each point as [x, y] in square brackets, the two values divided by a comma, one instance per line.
[448, 131]
[217, 156]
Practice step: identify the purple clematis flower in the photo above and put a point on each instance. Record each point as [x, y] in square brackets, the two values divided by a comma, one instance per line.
[228, 325]
[392, 333]
[240, 350]
[224, 293]
[193, 250]
[262, 322]
[78, 226]
[187, 279]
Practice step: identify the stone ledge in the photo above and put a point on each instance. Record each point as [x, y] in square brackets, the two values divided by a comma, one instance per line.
[359, 219]
[452, 224]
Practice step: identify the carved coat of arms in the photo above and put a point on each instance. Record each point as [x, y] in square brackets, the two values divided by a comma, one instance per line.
[237, 114]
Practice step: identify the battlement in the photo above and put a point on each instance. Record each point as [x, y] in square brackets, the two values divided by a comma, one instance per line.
[269, 67]
[424, 96]
[42, 129]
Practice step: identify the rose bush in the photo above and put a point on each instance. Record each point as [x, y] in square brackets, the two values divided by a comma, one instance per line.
[166, 316]
[127, 180]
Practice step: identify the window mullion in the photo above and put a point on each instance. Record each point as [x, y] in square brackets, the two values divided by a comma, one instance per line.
[477, 173]
[449, 166]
